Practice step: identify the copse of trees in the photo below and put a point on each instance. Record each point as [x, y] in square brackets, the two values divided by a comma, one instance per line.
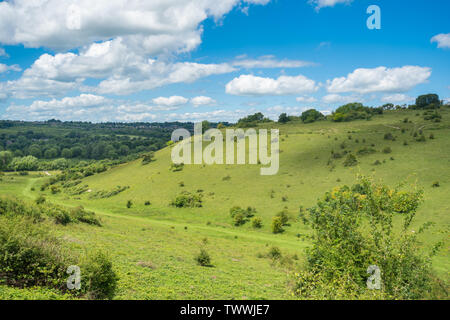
[427, 101]
[311, 115]
[252, 120]
[354, 111]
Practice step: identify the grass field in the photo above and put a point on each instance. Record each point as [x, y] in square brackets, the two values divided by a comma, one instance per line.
[153, 246]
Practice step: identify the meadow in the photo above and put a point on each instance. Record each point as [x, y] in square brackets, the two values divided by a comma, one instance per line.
[153, 244]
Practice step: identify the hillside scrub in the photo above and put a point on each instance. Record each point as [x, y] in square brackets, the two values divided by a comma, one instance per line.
[188, 200]
[43, 209]
[342, 251]
[30, 256]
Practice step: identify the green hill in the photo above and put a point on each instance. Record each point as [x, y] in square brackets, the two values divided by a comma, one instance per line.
[153, 245]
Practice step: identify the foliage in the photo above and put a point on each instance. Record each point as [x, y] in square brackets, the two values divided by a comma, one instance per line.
[188, 200]
[350, 161]
[203, 258]
[342, 250]
[99, 277]
[311, 115]
[277, 225]
[257, 223]
[354, 111]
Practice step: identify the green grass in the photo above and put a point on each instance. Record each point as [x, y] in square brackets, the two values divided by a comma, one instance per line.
[154, 253]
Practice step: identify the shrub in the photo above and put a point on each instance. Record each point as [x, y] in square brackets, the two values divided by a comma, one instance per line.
[40, 199]
[277, 225]
[343, 250]
[388, 136]
[350, 161]
[257, 223]
[203, 258]
[241, 216]
[176, 167]
[188, 200]
[431, 137]
[284, 217]
[99, 277]
[30, 255]
[129, 204]
[147, 203]
[436, 184]
[275, 253]
[387, 150]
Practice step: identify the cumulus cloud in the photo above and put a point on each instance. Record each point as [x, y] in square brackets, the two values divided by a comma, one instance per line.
[336, 98]
[65, 24]
[4, 68]
[443, 40]
[249, 85]
[203, 101]
[306, 99]
[122, 71]
[397, 98]
[81, 107]
[319, 4]
[380, 79]
[171, 101]
[270, 62]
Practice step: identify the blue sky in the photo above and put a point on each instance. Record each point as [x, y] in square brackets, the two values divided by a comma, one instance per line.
[198, 59]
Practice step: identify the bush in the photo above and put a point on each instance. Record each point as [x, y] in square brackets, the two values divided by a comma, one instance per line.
[342, 251]
[436, 184]
[277, 225]
[129, 204]
[99, 277]
[188, 200]
[30, 255]
[284, 217]
[387, 150]
[40, 199]
[203, 258]
[350, 161]
[241, 216]
[257, 223]
[275, 253]
[147, 203]
[388, 136]
[421, 139]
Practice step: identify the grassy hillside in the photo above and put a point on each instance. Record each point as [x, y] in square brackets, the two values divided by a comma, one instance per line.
[153, 246]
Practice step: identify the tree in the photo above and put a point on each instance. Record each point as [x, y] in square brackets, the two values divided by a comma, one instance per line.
[28, 163]
[5, 159]
[428, 101]
[283, 118]
[311, 115]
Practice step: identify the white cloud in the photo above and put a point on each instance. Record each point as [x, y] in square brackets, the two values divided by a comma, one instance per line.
[82, 107]
[319, 4]
[443, 40]
[4, 68]
[270, 62]
[380, 79]
[171, 101]
[3, 53]
[203, 101]
[285, 85]
[122, 71]
[335, 98]
[306, 99]
[153, 26]
[397, 98]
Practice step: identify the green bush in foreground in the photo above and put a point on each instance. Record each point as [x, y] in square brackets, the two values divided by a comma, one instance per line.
[365, 226]
[31, 256]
